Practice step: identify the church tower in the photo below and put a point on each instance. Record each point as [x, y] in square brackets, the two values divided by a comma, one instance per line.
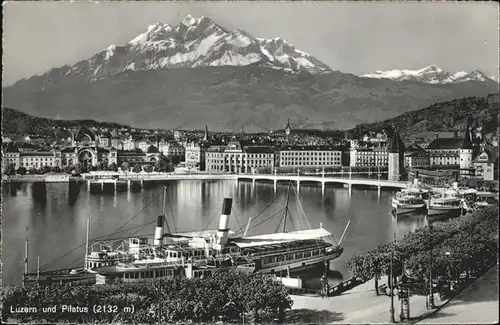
[395, 151]
[287, 128]
[205, 138]
[466, 149]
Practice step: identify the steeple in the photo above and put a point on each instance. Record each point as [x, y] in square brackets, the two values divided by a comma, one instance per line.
[206, 133]
[287, 128]
[396, 145]
[467, 144]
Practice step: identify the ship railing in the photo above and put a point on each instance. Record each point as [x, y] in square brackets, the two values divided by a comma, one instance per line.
[291, 250]
[53, 272]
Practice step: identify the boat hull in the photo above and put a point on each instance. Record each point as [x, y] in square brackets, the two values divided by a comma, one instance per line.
[407, 208]
[436, 212]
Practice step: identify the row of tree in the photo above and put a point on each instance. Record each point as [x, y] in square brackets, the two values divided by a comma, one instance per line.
[165, 164]
[230, 295]
[465, 245]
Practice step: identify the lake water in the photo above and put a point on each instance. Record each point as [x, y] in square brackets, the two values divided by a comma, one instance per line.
[53, 217]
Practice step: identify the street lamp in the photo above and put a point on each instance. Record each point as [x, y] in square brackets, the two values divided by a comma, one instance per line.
[431, 293]
[447, 255]
[391, 287]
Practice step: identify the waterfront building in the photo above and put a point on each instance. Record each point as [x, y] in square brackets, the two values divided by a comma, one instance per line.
[309, 156]
[368, 157]
[143, 145]
[466, 149]
[225, 159]
[257, 157]
[455, 152]
[486, 164]
[138, 157]
[195, 156]
[129, 143]
[396, 158]
[416, 157]
[175, 149]
[235, 158]
[31, 159]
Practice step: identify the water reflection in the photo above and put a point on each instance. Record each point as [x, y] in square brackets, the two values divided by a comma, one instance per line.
[55, 215]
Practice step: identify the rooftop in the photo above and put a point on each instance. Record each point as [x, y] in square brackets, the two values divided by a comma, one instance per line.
[446, 143]
[310, 148]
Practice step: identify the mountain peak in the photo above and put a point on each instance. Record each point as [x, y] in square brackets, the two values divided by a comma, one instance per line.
[190, 20]
[193, 43]
[430, 69]
[431, 74]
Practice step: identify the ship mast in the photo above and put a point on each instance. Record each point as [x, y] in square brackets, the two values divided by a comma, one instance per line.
[286, 207]
[25, 260]
[87, 243]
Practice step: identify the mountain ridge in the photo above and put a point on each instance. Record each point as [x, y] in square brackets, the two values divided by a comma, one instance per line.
[430, 74]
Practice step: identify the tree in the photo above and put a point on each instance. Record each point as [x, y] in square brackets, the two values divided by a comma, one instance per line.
[175, 160]
[165, 165]
[45, 170]
[471, 242]
[10, 169]
[148, 168]
[125, 166]
[137, 168]
[113, 167]
[21, 170]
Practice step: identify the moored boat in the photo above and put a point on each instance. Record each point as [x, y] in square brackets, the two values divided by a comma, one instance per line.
[405, 203]
[444, 207]
[485, 199]
[198, 254]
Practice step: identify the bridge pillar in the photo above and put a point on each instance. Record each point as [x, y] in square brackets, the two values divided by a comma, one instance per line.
[298, 185]
[275, 185]
[128, 184]
[253, 181]
[102, 185]
[349, 186]
[323, 186]
[115, 184]
[88, 185]
[142, 183]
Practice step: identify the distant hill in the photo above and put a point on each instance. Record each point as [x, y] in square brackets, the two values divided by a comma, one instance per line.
[446, 116]
[17, 123]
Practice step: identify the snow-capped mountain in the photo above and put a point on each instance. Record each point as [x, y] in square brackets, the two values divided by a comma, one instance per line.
[195, 42]
[431, 74]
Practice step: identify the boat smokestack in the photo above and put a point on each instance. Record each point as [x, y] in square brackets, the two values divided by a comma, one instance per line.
[159, 231]
[223, 232]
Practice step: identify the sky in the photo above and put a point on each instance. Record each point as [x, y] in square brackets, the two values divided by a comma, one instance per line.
[351, 37]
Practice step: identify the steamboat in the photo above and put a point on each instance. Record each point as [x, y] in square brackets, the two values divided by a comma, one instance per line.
[197, 254]
[411, 199]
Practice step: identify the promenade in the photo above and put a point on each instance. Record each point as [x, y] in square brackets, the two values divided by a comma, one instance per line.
[476, 304]
[358, 305]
